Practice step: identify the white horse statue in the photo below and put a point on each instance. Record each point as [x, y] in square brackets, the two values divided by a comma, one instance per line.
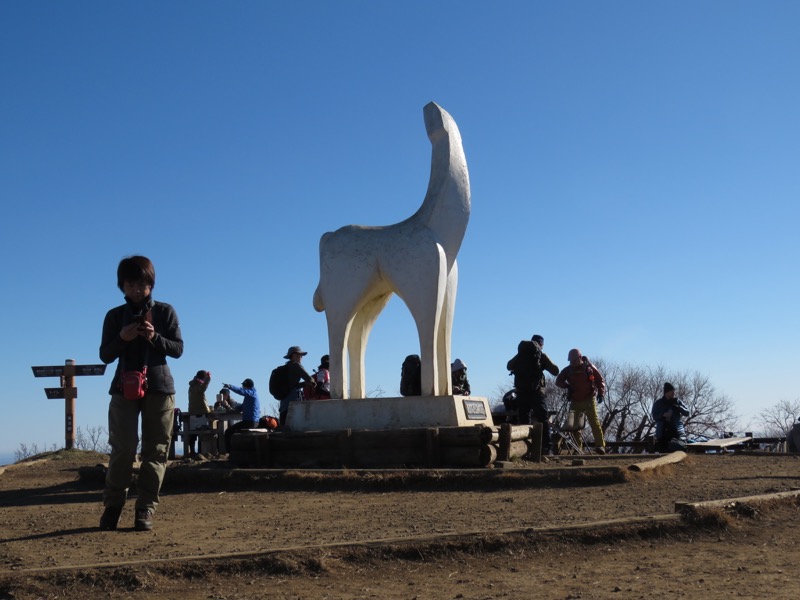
[360, 268]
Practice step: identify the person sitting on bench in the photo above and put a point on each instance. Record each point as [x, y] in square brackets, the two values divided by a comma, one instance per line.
[251, 409]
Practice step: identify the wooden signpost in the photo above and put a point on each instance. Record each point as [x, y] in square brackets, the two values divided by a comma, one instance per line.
[68, 391]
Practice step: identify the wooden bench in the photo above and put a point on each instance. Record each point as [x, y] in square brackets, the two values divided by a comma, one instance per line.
[719, 445]
[207, 440]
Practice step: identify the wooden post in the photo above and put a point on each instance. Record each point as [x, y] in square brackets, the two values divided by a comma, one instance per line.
[257, 439]
[67, 390]
[69, 404]
[504, 449]
[536, 442]
[266, 458]
[222, 426]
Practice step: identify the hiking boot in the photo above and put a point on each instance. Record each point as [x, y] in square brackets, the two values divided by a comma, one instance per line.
[144, 519]
[110, 518]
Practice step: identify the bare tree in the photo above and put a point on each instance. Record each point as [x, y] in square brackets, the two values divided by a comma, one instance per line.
[778, 419]
[500, 390]
[93, 438]
[625, 413]
[24, 451]
[376, 392]
[710, 413]
[99, 439]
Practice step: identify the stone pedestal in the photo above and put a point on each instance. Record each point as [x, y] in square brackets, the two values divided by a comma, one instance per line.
[389, 413]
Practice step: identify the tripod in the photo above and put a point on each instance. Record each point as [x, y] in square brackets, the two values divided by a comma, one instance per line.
[567, 427]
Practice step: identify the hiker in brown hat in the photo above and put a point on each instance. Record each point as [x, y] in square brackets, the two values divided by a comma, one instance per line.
[292, 375]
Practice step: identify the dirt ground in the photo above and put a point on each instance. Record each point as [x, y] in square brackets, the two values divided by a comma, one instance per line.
[511, 533]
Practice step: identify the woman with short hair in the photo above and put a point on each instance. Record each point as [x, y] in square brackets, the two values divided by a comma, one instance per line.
[140, 334]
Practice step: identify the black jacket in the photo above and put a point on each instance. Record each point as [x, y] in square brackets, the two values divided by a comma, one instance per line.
[166, 342]
[528, 366]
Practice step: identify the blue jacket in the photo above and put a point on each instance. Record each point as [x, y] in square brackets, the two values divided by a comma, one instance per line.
[660, 407]
[251, 407]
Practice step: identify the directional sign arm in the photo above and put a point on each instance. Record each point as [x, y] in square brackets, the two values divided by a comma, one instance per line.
[61, 392]
[90, 369]
[56, 371]
[60, 370]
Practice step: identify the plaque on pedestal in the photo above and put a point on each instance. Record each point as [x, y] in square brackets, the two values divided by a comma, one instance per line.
[389, 413]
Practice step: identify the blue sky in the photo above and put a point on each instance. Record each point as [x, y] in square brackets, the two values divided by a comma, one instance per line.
[634, 173]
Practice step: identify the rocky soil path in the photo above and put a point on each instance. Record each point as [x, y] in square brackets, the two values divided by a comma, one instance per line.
[294, 536]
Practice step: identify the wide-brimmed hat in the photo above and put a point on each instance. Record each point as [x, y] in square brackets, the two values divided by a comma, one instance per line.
[294, 350]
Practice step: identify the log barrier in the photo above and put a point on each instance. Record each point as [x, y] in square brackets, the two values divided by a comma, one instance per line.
[470, 447]
[666, 459]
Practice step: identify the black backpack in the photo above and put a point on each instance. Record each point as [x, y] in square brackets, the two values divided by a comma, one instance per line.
[527, 365]
[279, 382]
[411, 376]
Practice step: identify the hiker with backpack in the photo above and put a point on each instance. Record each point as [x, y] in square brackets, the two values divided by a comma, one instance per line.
[411, 376]
[667, 413]
[528, 367]
[585, 388]
[251, 409]
[286, 381]
[458, 373]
